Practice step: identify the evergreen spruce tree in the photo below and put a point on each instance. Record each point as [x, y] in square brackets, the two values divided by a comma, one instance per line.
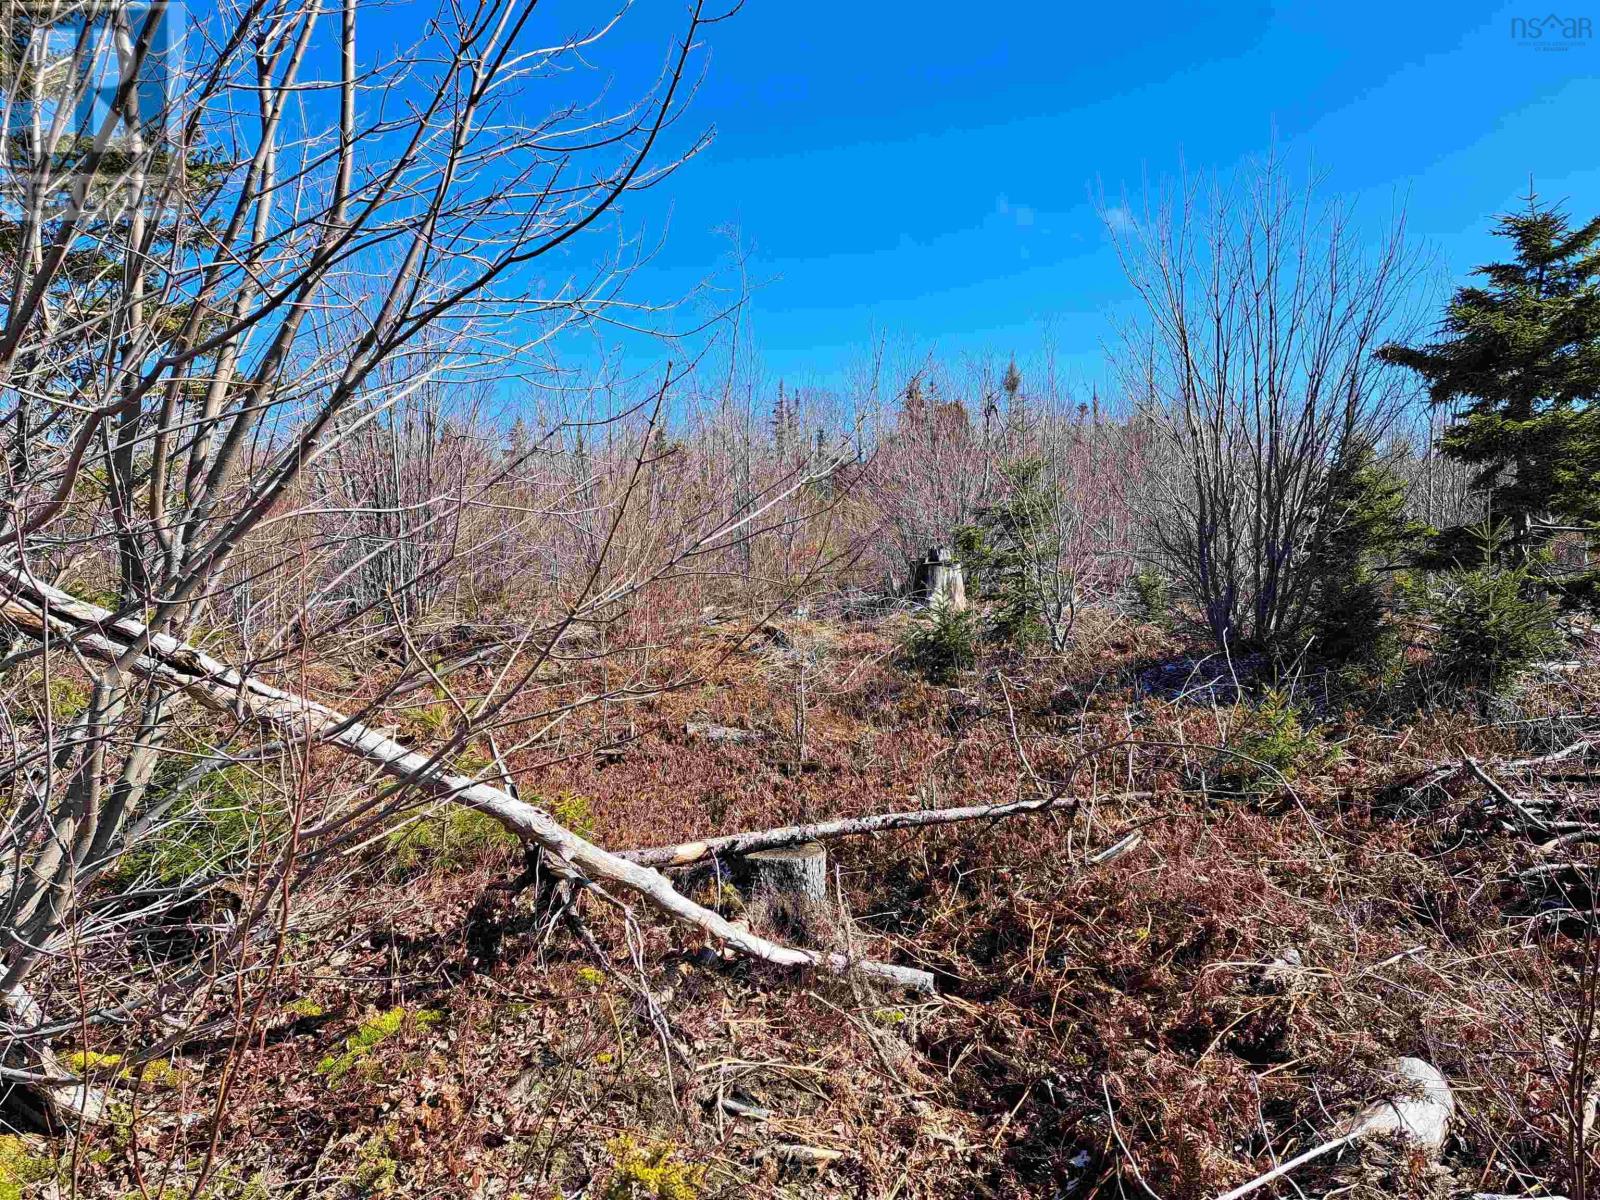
[1492, 622]
[1365, 529]
[1519, 358]
[1011, 382]
[1007, 552]
[1016, 416]
[782, 419]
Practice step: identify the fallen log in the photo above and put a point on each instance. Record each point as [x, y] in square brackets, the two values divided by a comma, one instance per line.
[1532, 819]
[36, 609]
[1570, 838]
[1117, 849]
[738, 1108]
[1587, 742]
[724, 735]
[735, 845]
[1437, 772]
[51, 1096]
[1421, 1120]
[803, 1157]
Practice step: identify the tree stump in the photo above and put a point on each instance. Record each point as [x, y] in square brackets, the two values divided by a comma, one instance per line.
[789, 889]
[940, 579]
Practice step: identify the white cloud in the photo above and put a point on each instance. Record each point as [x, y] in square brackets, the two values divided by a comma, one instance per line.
[1120, 220]
[1021, 215]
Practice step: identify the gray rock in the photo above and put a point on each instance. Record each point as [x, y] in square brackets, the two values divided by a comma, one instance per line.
[1422, 1118]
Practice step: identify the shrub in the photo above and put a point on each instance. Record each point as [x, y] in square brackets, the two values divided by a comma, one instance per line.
[1152, 598]
[1492, 623]
[974, 552]
[211, 829]
[20, 1168]
[1273, 745]
[1364, 527]
[377, 1170]
[156, 1073]
[68, 699]
[431, 722]
[1013, 556]
[470, 761]
[84, 1062]
[453, 836]
[941, 644]
[651, 1173]
[575, 812]
[456, 836]
[1239, 463]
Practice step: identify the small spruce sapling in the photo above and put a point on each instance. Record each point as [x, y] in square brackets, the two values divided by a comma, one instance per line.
[1493, 621]
[942, 643]
[1012, 557]
[1349, 620]
[1152, 597]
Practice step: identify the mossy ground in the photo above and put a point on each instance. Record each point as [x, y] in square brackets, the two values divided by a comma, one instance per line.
[369, 1035]
[21, 1165]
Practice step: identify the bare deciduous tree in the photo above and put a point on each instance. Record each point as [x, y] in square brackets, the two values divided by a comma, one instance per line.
[233, 290]
[1254, 364]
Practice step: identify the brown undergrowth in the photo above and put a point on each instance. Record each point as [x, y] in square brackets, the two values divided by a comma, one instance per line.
[1171, 1022]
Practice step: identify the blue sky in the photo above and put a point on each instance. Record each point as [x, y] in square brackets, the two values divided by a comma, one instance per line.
[926, 170]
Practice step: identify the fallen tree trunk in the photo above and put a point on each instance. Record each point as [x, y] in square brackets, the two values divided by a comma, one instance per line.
[736, 844]
[36, 608]
[722, 734]
[1531, 819]
[51, 1096]
[1438, 772]
[1420, 1118]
